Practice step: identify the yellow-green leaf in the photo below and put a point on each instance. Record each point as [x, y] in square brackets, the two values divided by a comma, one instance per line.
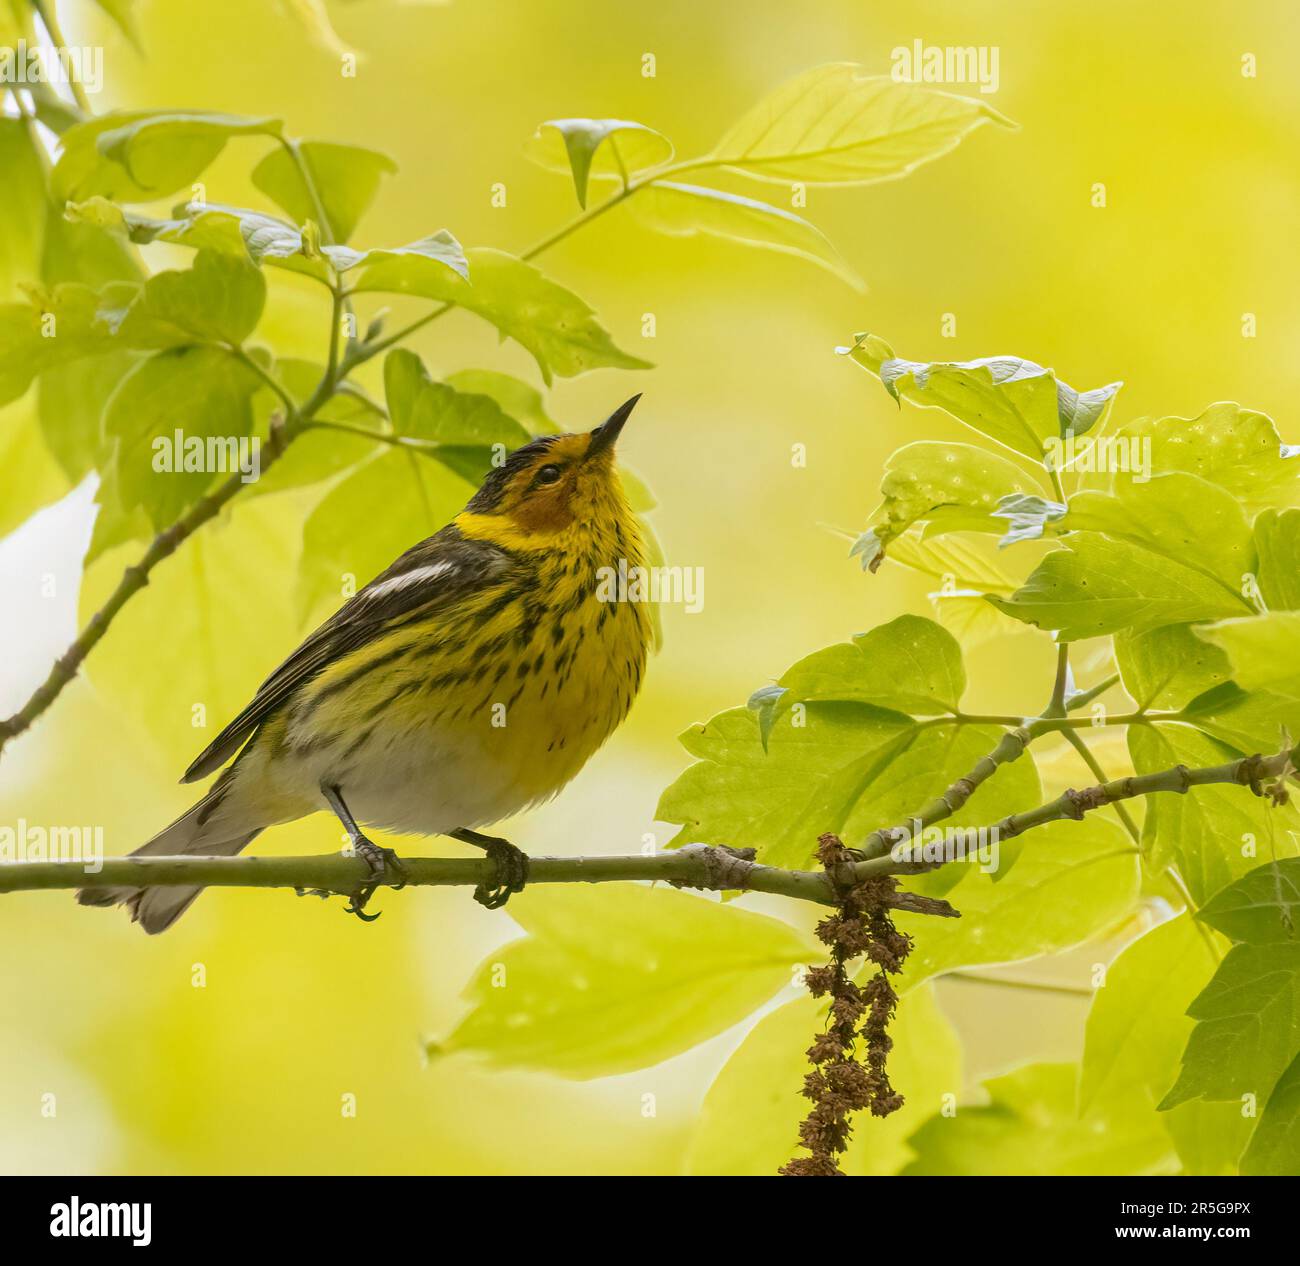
[557, 327]
[346, 178]
[834, 126]
[620, 978]
[692, 210]
[604, 148]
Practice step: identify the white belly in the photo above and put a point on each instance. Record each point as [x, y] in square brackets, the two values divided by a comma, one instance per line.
[430, 788]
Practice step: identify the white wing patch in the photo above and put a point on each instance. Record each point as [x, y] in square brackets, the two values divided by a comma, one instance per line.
[416, 576]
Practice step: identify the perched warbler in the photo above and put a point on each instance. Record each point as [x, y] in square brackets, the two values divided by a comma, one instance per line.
[471, 679]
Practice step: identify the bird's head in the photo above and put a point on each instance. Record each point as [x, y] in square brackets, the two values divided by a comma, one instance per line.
[550, 484]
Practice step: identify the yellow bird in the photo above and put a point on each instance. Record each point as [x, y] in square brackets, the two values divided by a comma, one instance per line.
[471, 679]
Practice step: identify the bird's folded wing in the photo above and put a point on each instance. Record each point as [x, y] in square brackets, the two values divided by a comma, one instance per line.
[432, 575]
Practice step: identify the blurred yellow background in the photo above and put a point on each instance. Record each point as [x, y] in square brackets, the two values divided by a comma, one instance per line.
[301, 1006]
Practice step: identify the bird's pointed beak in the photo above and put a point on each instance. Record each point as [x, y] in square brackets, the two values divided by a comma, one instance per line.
[603, 437]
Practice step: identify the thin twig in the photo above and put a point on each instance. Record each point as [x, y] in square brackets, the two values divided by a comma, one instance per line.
[1249, 771]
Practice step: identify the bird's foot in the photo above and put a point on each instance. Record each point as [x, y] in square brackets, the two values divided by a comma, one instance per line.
[511, 867]
[512, 874]
[384, 865]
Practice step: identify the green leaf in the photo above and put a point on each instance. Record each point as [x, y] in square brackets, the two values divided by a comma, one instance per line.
[1180, 517]
[346, 177]
[1098, 586]
[952, 560]
[949, 487]
[1209, 1137]
[22, 209]
[1236, 448]
[764, 703]
[759, 1086]
[552, 323]
[969, 618]
[1246, 721]
[1012, 401]
[114, 524]
[692, 210]
[611, 981]
[851, 768]
[1262, 907]
[1263, 650]
[578, 145]
[262, 238]
[1072, 882]
[1030, 1126]
[367, 519]
[219, 300]
[207, 226]
[71, 403]
[521, 401]
[142, 155]
[71, 397]
[910, 664]
[57, 327]
[416, 268]
[1213, 834]
[426, 410]
[1275, 1146]
[203, 394]
[833, 126]
[1247, 1026]
[1136, 1025]
[1168, 667]
[1277, 537]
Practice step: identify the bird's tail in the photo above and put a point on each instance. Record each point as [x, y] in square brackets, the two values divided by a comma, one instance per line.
[202, 831]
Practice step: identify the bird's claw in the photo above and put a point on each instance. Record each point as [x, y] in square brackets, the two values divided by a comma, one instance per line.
[384, 863]
[512, 874]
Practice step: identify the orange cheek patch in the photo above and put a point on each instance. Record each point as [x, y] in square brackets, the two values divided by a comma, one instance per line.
[549, 513]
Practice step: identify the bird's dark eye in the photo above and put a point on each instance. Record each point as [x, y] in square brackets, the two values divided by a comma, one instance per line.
[548, 475]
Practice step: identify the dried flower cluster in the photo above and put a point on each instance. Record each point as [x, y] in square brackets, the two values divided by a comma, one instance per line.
[840, 1083]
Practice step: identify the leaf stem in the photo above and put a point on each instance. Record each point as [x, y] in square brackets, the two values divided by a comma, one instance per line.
[1094, 767]
[251, 363]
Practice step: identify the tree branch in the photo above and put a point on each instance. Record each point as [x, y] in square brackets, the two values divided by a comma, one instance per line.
[1010, 748]
[1249, 771]
[694, 866]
